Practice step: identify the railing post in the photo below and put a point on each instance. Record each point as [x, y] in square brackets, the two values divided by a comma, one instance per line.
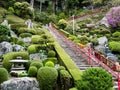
[118, 81]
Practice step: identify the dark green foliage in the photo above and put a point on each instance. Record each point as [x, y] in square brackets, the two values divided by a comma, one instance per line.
[116, 34]
[12, 55]
[11, 9]
[114, 46]
[23, 10]
[26, 30]
[49, 64]
[4, 33]
[32, 72]
[37, 63]
[82, 85]
[46, 17]
[14, 39]
[96, 79]
[47, 78]
[51, 53]
[20, 42]
[24, 35]
[32, 49]
[94, 41]
[65, 80]
[3, 75]
[54, 60]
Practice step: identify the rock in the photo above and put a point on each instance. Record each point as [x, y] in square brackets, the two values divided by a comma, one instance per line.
[24, 83]
[5, 47]
[104, 21]
[102, 40]
[17, 48]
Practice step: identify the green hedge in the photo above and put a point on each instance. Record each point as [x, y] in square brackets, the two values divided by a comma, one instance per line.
[54, 60]
[47, 78]
[49, 64]
[114, 46]
[37, 63]
[68, 63]
[3, 75]
[32, 49]
[12, 55]
[32, 72]
[51, 53]
[65, 80]
[27, 30]
[65, 32]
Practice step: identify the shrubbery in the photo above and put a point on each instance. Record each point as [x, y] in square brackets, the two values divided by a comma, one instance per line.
[35, 39]
[47, 78]
[32, 49]
[114, 46]
[62, 24]
[24, 35]
[65, 80]
[116, 34]
[37, 63]
[3, 75]
[54, 60]
[12, 55]
[4, 33]
[51, 53]
[23, 10]
[95, 79]
[32, 72]
[49, 64]
[26, 30]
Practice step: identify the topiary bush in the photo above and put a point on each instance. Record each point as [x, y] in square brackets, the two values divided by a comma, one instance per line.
[12, 55]
[54, 60]
[114, 46]
[116, 34]
[61, 68]
[82, 85]
[4, 76]
[23, 10]
[65, 79]
[37, 63]
[26, 30]
[47, 78]
[32, 49]
[49, 64]
[35, 39]
[24, 35]
[96, 79]
[51, 53]
[20, 42]
[32, 72]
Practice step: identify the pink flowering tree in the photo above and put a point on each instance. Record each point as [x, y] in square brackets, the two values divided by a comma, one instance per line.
[113, 17]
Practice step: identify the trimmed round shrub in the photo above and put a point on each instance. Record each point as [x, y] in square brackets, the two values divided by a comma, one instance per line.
[47, 78]
[14, 39]
[65, 80]
[11, 9]
[116, 34]
[96, 79]
[54, 60]
[35, 39]
[37, 63]
[4, 76]
[94, 41]
[20, 42]
[12, 55]
[26, 30]
[32, 72]
[114, 46]
[51, 53]
[32, 49]
[24, 35]
[23, 74]
[81, 85]
[49, 64]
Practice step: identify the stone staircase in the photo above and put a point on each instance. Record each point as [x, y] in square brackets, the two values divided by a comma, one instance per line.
[80, 61]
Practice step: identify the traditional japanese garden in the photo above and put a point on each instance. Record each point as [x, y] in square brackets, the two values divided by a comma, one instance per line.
[59, 45]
